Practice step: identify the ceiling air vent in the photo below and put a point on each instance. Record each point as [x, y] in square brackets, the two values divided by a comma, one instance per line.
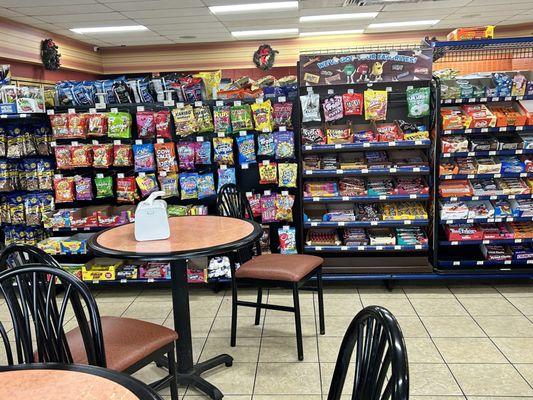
[348, 3]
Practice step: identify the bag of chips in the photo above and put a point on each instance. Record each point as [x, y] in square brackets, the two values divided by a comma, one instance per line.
[246, 146]
[126, 190]
[63, 158]
[262, 113]
[119, 125]
[102, 155]
[268, 209]
[59, 125]
[221, 116]
[97, 124]
[145, 124]
[288, 174]
[189, 185]
[202, 155]
[186, 155]
[84, 188]
[268, 173]
[353, 103]
[165, 156]
[143, 156]
[226, 175]
[77, 125]
[204, 120]
[104, 187]
[287, 240]
[375, 104]
[147, 184]
[206, 185]
[162, 124]
[81, 156]
[122, 155]
[241, 117]
[169, 184]
[184, 120]
[64, 189]
[223, 150]
[310, 107]
[418, 102]
[333, 109]
[265, 144]
[284, 205]
[255, 203]
[282, 114]
[284, 142]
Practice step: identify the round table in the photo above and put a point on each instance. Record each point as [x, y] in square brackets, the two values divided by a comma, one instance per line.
[190, 236]
[66, 382]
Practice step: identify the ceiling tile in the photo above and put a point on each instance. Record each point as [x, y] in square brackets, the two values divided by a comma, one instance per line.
[121, 5]
[426, 5]
[270, 16]
[63, 9]
[83, 17]
[36, 3]
[173, 12]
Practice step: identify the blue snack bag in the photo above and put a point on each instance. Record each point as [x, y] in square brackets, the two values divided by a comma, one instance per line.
[206, 185]
[202, 154]
[246, 146]
[226, 176]
[189, 185]
[143, 154]
[284, 144]
[265, 144]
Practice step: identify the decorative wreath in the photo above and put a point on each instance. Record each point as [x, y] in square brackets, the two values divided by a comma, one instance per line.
[264, 57]
[49, 55]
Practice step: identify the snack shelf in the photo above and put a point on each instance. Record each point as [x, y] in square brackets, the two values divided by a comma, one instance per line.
[488, 197]
[334, 249]
[20, 115]
[482, 176]
[485, 241]
[487, 153]
[351, 199]
[80, 229]
[366, 224]
[128, 281]
[485, 220]
[366, 171]
[501, 129]
[482, 263]
[451, 102]
[402, 144]
[483, 44]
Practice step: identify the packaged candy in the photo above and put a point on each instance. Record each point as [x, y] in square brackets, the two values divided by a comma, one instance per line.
[223, 150]
[145, 124]
[246, 146]
[375, 104]
[147, 184]
[225, 176]
[268, 173]
[202, 154]
[221, 116]
[184, 120]
[102, 155]
[284, 205]
[241, 117]
[63, 158]
[77, 125]
[206, 185]
[169, 184]
[284, 142]
[282, 114]
[333, 108]
[122, 155]
[96, 124]
[84, 188]
[268, 209]
[126, 189]
[262, 113]
[255, 203]
[64, 189]
[119, 125]
[59, 125]
[353, 103]
[186, 155]
[288, 174]
[81, 156]
[211, 81]
[189, 185]
[204, 120]
[165, 156]
[287, 240]
[418, 102]
[192, 88]
[143, 155]
[162, 124]
[310, 107]
[104, 186]
[313, 136]
[265, 144]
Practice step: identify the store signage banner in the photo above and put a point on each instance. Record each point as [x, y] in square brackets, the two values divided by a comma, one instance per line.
[381, 66]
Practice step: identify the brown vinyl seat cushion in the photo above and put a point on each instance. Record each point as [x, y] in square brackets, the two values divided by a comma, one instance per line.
[126, 341]
[279, 267]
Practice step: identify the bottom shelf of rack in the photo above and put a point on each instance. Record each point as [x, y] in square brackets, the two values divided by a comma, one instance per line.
[348, 249]
[504, 264]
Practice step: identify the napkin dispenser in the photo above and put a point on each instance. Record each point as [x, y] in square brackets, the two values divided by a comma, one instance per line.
[151, 219]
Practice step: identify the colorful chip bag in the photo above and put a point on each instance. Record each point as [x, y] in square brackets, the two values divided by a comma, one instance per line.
[184, 120]
[143, 156]
[255, 203]
[186, 155]
[226, 175]
[77, 125]
[189, 185]
[202, 155]
[96, 124]
[241, 117]
[353, 103]
[418, 102]
[262, 113]
[126, 189]
[81, 156]
[288, 174]
[282, 114]
[119, 125]
[375, 104]
[284, 142]
[287, 240]
[162, 124]
[84, 188]
[222, 121]
[104, 186]
[122, 155]
[147, 184]
[223, 150]
[64, 189]
[145, 124]
[63, 158]
[169, 184]
[165, 156]
[206, 185]
[59, 125]
[102, 155]
[204, 120]
[246, 146]
[284, 205]
[268, 209]
[268, 173]
[265, 144]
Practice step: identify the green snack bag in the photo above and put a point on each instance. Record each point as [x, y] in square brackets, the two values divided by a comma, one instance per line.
[241, 118]
[104, 187]
[418, 102]
[119, 125]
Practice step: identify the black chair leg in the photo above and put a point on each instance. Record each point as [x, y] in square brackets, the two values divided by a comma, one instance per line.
[173, 372]
[258, 308]
[320, 301]
[298, 322]
[233, 341]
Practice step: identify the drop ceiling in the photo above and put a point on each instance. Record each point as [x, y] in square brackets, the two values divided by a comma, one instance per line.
[189, 21]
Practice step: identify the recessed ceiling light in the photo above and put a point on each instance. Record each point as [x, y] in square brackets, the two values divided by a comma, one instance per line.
[102, 29]
[344, 32]
[266, 32]
[187, 37]
[428, 22]
[246, 8]
[338, 17]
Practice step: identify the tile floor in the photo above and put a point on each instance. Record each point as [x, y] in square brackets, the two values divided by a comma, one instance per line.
[463, 342]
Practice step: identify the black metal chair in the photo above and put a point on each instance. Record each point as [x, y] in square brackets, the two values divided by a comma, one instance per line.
[38, 311]
[291, 271]
[381, 366]
[16, 255]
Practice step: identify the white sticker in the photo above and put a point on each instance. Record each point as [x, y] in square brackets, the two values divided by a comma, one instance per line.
[418, 247]
[160, 140]
[493, 197]
[308, 172]
[471, 176]
[284, 192]
[468, 130]
[313, 224]
[471, 153]
[455, 263]
[519, 128]
[138, 141]
[470, 221]
[163, 173]
[492, 153]
[140, 108]
[447, 131]
[308, 147]
[345, 198]
[413, 196]
[484, 130]
[318, 248]
[472, 100]
[393, 170]
[341, 223]
[282, 99]
[267, 193]
[446, 155]
[74, 143]
[92, 110]
[331, 91]
[50, 112]
[503, 129]
[53, 144]
[379, 247]
[497, 175]
[71, 111]
[150, 280]
[221, 134]
[479, 263]
[518, 240]
[117, 142]
[199, 138]
[120, 175]
[100, 106]
[259, 100]
[344, 248]
[397, 247]
[364, 171]
[123, 281]
[340, 171]
[454, 243]
[360, 247]
[523, 174]
[508, 98]
[418, 142]
[483, 99]
[23, 115]
[283, 129]
[242, 133]
[198, 104]
[100, 176]
[519, 151]
[315, 198]
[474, 197]
[351, 91]
[512, 196]
[180, 105]
[3, 116]
[95, 142]
[58, 176]
[266, 130]
[95, 282]
[416, 169]
[388, 89]
[407, 222]
[266, 162]
[223, 166]
[392, 144]
[237, 103]
[114, 110]
[338, 146]
[142, 174]
[169, 103]
[219, 103]
[486, 241]
[382, 197]
[373, 223]
[366, 144]
[244, 166]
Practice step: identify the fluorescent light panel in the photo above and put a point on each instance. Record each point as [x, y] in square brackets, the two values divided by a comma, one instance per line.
[103, 29]
[344, 32]
[428, 22]
[338, 17]
[244, 8]
[265, 32]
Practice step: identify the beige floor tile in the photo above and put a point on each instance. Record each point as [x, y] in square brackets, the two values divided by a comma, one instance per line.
[152, 309]
[516, 350]
[225, 309]
[436, 398]
[113, 309]
[287, 378]
[326, 372]
[489, 306]
[245, 327]
[161, 294]
[516, 290]
[205, 307]
[112, 296]
[340, 292]
[152, 373]
[336, 325]
[432, 380]
[380, 292]
[397, 306]
[411, 326]
[468, 291]
[427, 292]
[499, 398]
[307, 306]
[438, 307]
[230, 397]
[283, 349]
[286, 293]
[527, 372]
[328, 348]
[340, 306]
[514, 326]
[236, 380]
[422, 351]
[452, 327]
[524, 304]
[247, 349]
[289, 397]
[200, 327]
[490, 380]
[469, 350]
[276, 324]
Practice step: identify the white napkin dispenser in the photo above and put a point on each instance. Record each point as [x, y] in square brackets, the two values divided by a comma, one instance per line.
[151, 219]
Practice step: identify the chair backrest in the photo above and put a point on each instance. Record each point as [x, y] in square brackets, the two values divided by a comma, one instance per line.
[38, 311]
[16, 255]
[381, 367]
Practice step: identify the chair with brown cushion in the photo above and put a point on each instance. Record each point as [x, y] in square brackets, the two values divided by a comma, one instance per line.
[290, 271]
[122, 344]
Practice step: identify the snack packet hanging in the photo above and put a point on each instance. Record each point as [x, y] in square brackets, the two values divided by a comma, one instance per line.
[122, 155]
[119, 125]
[126, 189]
[145, 124]
[206, 185]
[282, 114]
[241, 117]
[186, 154]
[255, 203]
[84, 188]
[222, 121]
[310, 107]
[184, 120]
[418, 102]
[189, 185]
[169, 184]
[268, 209]
[104, 187]
[353, 103]
[59, 125]
[96, 124]
[375, 104]
[284, 142]
[102, 155]
[162, 124]
[288, 174]
[284, 205]
[225, 176]
[268, 173]
[333, 108]
[202, 153]
[211, 80]
[287, 240]
[246, 146]
[265, 144]
[81, 156]
[64, 189]
[262, 113]
[223, 150]
[203, 118]
[63, 158]
[143, 156]
[77, 125]
[147, 184]
[165, 156]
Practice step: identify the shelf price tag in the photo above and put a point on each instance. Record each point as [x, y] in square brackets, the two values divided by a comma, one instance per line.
[198, 104]
[114, 110]
[344, 248]
[518, 240]
[413, 196]
[392, 144]
[71, 111]
[366, 144]
[373, 223]
[199, 138]
[169, 103]
[340, 171]
[397, 247]
[360, 247]
[479, 262]
[393, 170]
[454, 243]
[50, 112]
[314, 223]
[471, 153]
[308, 147]
[123, 281]
[345, 198]
[244, 166]
[338, 146]
[471, 176]
[468, 130]
[282, 99]
[456, 263]
[519, 128]
[140, 108]
[503, 129]
[483, 100]
[416, 169]
[418, 247]
[418, 142]
[237, 103]
[407, 222]
[318, 248]
[379, 247]
[484, 130]
[364, 171]
[342, 223]
[383, 197]
[316, 198]
[150, 280]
